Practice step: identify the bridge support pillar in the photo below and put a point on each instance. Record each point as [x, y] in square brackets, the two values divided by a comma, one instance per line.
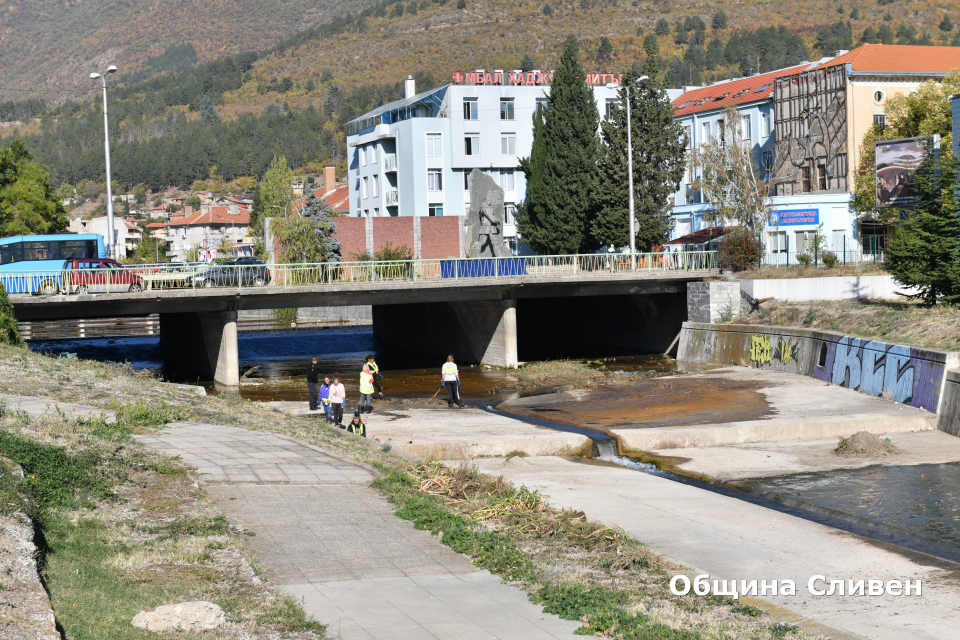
[475, 332]
[204, 342]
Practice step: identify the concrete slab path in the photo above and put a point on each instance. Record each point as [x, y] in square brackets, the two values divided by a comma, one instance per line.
[733, 539]
[37, 407]
[327, 538]
[766, 459]
[452, 434]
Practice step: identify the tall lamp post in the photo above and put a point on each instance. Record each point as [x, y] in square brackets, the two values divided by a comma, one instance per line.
[633, 222]
[111, 235]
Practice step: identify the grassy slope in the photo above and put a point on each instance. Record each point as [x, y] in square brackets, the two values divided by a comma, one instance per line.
[578, 569]
[907, 323]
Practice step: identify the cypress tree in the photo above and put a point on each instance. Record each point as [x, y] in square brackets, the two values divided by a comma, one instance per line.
[925, 252]
[658, 162]
[557, 215]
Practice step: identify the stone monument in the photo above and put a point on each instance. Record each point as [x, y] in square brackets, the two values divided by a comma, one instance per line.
[484, 223]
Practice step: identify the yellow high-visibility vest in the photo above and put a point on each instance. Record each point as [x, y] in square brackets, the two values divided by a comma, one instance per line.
[449, 371]
[366, 382]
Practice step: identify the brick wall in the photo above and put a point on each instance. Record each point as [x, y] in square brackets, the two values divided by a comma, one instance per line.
[351, 232]
[397, 231]
[440, 237]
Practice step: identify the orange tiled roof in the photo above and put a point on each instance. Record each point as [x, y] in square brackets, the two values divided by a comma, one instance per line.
[216, 215]
[739, 91]
[903, 58]
[338, 198]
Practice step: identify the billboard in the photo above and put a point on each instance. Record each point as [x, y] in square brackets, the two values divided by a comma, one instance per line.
[793, 217]
[896, 162]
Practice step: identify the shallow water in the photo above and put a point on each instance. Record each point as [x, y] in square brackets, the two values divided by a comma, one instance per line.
[919, 503]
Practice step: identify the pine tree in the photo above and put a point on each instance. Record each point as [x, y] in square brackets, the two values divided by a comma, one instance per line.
[605, 50]
[557, 215]
[658, 162]
[527, 64]
[925, 252]
[946, 24]
[719, 21]
[207, 111]
[662, 28]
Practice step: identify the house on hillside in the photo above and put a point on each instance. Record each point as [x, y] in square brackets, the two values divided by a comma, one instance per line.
[335, 194]
[206, 230]
[128, 234]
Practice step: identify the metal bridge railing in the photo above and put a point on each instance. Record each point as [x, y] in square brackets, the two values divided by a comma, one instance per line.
[154, 277]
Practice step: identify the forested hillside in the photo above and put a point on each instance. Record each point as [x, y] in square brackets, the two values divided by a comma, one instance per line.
[177, 118]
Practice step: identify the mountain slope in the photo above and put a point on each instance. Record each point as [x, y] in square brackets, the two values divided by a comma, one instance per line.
[56, 43]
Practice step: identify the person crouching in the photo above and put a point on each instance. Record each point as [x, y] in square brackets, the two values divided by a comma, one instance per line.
[356, 426]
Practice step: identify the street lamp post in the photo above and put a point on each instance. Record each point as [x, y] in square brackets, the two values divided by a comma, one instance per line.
[111, 235]
[633, 222]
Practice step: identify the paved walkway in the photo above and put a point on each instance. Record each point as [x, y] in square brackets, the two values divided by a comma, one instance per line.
[37, 406]
[733, 539]
[328, 538]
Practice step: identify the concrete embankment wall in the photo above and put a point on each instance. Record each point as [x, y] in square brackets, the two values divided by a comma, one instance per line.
[836, 288]
[910, 375]
[361, 314]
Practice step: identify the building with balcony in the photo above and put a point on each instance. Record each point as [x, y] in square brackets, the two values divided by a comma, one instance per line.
[413, 157]
[205, 230]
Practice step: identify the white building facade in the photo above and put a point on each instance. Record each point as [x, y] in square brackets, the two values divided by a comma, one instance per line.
[413, 157]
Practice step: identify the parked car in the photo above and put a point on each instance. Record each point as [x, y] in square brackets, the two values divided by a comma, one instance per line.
[246, 272]
[99, 275]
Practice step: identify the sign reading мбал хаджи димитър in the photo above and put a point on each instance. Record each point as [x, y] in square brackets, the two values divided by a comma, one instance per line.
[528, 77]
[790, 217]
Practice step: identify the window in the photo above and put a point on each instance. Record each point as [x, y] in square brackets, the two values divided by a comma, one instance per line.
[612, 103]
[767, 163]
[435, 210]
[879, 97]
[839, 240]
[434, 145]
[765, 120]
[777, 242]
[506, 108]
[746, 129]
[373, 154]
[805, 241]
[471, 146]
[688, 132]
[822, 175]
[704, 132]
[376, 187]
[11, 253]
[507, 182]
[470, 109]
[466, 180]
[508, 145]
[805, 185]
[509, 213]
[880, 119]
[363, 156]
[434, 180]
[542, 103]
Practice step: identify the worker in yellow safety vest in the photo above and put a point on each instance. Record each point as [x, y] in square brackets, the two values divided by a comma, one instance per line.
[375, 370]
[450, 378]
[366, 390]
[356, 426]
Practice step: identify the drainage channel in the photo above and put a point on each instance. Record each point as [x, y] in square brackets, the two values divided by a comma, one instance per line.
[607, 448]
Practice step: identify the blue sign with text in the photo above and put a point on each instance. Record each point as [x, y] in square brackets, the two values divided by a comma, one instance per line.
[794, 217]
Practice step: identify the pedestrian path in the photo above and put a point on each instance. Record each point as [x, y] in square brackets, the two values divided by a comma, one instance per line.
[327, 538]
[36, 407]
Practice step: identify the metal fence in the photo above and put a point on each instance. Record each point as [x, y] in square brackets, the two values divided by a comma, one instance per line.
[136, 278]
[815, 259]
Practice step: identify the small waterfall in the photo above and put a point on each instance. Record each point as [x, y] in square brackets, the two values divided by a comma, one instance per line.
[609, 453]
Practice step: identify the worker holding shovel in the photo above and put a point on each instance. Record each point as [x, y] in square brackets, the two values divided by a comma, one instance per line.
[450, 378]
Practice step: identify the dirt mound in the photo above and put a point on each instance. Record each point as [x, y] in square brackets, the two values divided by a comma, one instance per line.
[864, 444]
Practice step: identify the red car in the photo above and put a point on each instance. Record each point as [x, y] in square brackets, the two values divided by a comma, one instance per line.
[99, 275]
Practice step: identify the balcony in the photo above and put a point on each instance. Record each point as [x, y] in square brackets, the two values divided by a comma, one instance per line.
[391, 197]
[390, 162]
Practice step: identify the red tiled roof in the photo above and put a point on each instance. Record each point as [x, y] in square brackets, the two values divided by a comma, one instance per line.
[739, 91]
[156, 225]
[699, 237]
[338, 198]
[903, 58]
[216, 215]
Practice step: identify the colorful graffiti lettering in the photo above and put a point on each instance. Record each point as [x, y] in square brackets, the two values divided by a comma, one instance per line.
[898, 372]
[786, 351]
[760, 351]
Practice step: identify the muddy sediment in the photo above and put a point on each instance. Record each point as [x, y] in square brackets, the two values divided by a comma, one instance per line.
[658, 402]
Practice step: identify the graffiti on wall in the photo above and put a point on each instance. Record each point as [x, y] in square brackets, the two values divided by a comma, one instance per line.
[762, 353]
[895, 371]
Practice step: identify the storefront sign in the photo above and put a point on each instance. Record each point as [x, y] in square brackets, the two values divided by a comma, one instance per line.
[794, 217]
[520, 78]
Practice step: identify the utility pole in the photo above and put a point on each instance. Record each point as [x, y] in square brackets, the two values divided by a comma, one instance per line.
[111, 234]
[633, 223]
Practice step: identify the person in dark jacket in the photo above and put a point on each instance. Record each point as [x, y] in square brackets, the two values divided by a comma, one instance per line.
[356, 426]
[312, 382]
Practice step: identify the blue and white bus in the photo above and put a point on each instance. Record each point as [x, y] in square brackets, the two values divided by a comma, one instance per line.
[34, 264]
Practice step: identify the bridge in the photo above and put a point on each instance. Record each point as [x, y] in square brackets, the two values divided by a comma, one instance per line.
[479, 309]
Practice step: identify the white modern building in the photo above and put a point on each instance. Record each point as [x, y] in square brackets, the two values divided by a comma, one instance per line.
[413, 157]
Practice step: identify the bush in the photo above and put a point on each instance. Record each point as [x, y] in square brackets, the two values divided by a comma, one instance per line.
[829, 259]
[9, 330]
[805, 259]
[739, 251]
